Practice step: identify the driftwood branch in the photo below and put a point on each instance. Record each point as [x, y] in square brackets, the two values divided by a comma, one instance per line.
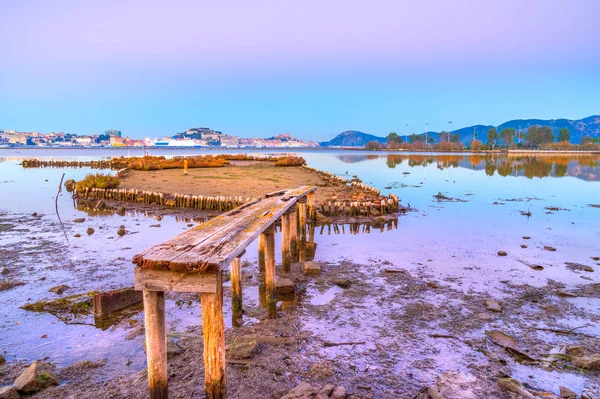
[56, 207]
[329, 344]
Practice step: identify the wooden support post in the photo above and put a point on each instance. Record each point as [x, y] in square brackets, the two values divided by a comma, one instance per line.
[302, 218]
[213, 331]
[286, 257]
[236, 293]
[269, 238]
[294, 234]
[261, 253]
[311, 206]
[185, 166]
[156, 343]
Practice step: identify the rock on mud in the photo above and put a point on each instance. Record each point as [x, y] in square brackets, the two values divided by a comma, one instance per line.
[339, 393]
[90, 231]
[79, 220]
[591, 362]
[321, 369]
[59, 289]
[493, 305]
[301, 391]
[34, 379]
[9, 393]
[284, 286]
[342, 282]
[502, 253]
[325, 392]
[549, 248]
[311, 267]
[242, 350]
[566, 393]
[454, 385]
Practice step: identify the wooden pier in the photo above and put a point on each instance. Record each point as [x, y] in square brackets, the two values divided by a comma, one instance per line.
[194, 261]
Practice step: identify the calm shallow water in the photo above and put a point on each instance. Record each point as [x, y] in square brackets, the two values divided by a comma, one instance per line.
[458, 239]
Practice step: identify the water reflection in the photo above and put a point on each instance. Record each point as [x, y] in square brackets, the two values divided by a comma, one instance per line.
[584, 166]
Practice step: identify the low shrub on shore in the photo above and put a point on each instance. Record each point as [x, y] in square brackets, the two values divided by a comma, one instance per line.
[158, 163]
[290, 161]
[97, 180]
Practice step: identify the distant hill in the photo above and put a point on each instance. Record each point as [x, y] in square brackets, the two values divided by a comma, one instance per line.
[579, 128]
[352, 138]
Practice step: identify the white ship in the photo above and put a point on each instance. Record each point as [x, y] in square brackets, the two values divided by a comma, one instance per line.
[173, 143]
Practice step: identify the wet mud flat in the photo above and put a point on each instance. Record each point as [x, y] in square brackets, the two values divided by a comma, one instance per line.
[380, 331]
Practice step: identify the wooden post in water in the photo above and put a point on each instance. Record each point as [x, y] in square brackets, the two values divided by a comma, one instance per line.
[286, 257]
[236, 292]
[213, 331]
[261, 253]
[156, 343]
[271, 299]
[311, 206]
[302, 228]
[294, 233]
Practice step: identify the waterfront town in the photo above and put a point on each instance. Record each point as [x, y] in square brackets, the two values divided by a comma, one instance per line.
[194, 137]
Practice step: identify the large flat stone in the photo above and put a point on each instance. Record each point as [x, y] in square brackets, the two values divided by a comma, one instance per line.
[284, 286]
[312, 267]
[34, 379]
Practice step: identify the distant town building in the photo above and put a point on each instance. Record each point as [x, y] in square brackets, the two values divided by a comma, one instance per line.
[113, 132]
[117, 141]
[83, 140]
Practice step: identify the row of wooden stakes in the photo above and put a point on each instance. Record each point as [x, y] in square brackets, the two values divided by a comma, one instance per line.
[343, 181]
[37, 163]
[384, 206]
[199, 202]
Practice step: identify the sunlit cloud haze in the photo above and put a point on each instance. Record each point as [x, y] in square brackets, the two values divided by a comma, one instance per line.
[308, 68]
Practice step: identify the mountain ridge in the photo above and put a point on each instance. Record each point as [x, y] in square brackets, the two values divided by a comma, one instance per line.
[588, 126]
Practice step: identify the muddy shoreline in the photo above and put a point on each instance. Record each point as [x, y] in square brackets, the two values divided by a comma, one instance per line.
[377, 330]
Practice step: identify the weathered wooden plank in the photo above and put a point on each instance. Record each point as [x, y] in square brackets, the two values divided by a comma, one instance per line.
[213, 331]
[111, 301]
[212, 246]
[156, 343]
[171, 248]
[162, 280]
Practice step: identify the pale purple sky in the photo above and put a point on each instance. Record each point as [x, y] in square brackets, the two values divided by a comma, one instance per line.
[312, 68]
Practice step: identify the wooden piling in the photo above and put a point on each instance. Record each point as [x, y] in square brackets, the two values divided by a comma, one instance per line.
[236, 292]
[294, 234]
[185, 166]
[310, 197]
[213, 331]
[301, 217]
[156, 343]
[286, 257]
[271, 299]
[261, 253]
